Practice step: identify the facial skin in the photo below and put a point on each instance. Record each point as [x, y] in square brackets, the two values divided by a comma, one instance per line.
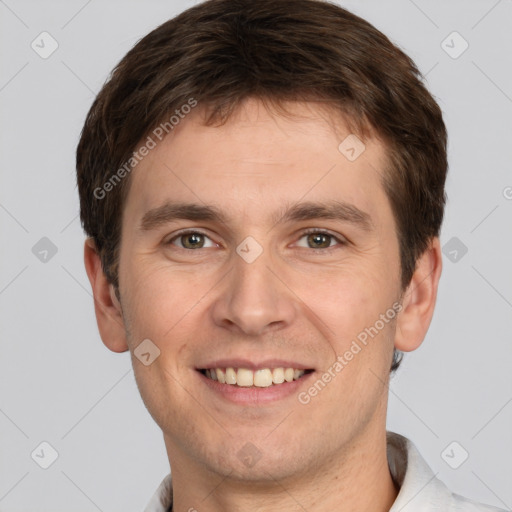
[297, 301]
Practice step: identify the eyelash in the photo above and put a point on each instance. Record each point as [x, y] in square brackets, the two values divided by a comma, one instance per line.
[341, 242]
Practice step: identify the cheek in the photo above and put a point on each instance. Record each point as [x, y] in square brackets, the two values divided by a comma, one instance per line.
[159, 310]
[349, 299]
[162, 306]
[358, 308]
[157, 299]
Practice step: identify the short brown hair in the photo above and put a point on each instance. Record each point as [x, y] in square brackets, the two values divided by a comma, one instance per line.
[222, 52]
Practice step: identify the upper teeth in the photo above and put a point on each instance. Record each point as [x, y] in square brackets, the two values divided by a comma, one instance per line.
[259, 378]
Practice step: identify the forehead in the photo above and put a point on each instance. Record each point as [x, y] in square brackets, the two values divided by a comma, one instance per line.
[258, 160]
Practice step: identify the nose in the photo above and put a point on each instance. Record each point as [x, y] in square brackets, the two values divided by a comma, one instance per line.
[253, 300]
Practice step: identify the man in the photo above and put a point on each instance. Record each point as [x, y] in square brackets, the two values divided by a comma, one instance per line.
[262, 184]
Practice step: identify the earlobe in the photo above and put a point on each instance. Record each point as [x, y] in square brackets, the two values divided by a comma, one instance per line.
[419, 300]
[106, 305]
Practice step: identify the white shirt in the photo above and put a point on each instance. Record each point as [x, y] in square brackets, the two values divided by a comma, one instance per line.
[420, 490]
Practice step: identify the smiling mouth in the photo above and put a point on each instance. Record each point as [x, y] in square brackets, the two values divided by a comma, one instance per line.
[262, 378]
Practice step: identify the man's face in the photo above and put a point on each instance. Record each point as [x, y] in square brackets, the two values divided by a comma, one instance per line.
[282, 298]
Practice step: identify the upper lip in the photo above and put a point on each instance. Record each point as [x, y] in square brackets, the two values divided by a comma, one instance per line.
[254, 364]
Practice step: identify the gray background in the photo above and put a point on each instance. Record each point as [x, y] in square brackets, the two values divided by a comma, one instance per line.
[59, 384]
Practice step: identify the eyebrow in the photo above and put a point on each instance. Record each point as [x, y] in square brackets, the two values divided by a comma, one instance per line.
[335, 210]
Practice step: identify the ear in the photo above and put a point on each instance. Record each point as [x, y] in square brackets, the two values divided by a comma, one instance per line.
[106, 305]
[419, 300]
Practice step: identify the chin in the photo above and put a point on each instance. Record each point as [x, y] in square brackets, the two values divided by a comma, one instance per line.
[244, 461]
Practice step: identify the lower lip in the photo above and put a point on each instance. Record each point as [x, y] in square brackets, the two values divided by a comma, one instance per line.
[254, 395]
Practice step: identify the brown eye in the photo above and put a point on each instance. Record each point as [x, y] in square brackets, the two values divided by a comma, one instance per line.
[316, 239]
[319, 240]
[191, 240]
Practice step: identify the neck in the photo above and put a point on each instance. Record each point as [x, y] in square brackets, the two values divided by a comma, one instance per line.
[356, 479]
